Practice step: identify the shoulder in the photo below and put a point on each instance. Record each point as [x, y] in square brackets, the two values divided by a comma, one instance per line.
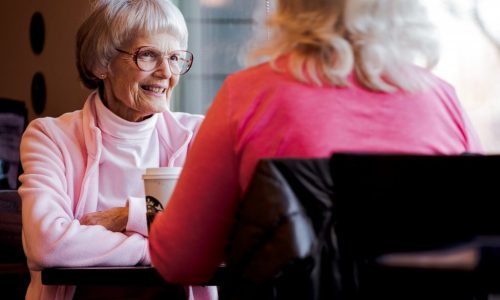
[257, 81]
[261, 73]
[61, 123]
[445, 87]
[436, 83]
[62, 129]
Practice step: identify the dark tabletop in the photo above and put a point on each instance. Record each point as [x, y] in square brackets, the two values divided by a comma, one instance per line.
[113, 276]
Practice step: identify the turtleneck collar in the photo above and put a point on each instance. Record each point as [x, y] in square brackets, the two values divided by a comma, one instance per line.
[112, 125]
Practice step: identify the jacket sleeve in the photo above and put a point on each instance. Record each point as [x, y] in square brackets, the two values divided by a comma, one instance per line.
[137, 214]
[52, 235]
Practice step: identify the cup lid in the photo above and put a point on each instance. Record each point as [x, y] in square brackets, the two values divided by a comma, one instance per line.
[163, 171]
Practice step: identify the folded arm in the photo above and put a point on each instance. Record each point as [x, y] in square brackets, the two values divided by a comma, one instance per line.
[52, 233]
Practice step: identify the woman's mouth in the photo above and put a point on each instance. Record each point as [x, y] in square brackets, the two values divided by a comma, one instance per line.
[154, 89]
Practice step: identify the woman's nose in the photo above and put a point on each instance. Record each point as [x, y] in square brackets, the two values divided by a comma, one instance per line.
[163, 70]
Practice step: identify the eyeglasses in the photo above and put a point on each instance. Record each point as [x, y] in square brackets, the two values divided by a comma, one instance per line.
[149, 58]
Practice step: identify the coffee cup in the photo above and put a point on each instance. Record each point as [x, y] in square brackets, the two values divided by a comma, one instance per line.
[159, 184]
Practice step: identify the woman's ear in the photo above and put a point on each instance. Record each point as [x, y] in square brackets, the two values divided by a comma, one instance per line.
[100, 73]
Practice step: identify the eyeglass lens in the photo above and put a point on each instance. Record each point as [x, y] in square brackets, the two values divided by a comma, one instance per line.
[179, 61]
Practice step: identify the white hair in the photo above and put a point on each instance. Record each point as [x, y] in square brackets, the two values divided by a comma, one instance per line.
[327, 40]
[114, 23]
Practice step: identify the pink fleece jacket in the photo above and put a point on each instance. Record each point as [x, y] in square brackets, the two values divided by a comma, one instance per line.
[60, 157]
[261, 113]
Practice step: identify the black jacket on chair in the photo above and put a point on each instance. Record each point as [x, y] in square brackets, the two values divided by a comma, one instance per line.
[284, 245]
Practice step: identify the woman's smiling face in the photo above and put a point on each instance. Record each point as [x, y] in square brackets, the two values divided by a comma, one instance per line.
[133, 94]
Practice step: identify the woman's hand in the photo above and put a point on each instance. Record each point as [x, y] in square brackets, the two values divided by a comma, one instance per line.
[114, 219]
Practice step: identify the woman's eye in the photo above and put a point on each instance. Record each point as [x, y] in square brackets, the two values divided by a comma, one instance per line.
[174, 57]
[148, 55]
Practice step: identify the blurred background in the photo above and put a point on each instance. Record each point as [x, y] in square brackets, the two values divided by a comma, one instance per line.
[38, 57]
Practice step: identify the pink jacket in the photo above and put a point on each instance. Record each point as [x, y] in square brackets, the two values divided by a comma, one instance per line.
[60, 157]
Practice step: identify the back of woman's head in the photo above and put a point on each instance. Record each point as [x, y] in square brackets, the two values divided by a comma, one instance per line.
[328, 39]
[114, 23]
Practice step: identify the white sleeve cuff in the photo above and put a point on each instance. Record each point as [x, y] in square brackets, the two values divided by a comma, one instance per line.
[137, 216]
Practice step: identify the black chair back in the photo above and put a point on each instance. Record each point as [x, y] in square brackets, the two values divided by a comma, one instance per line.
[406, 204]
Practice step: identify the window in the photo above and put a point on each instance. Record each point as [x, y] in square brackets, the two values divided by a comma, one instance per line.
[470, 60]
[217, 31]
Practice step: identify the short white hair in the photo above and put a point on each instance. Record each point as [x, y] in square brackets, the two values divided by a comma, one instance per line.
[327, 40]
[114, 23]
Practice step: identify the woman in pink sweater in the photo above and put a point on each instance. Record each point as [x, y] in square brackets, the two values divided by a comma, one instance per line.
[82, 192]
[339, 77]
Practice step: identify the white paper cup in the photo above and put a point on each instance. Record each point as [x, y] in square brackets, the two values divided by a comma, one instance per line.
[159, 183]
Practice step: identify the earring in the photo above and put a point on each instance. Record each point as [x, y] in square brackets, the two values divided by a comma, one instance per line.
[102, 76]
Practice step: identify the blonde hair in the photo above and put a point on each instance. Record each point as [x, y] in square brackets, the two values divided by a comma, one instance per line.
[114, 23]
[327, 40]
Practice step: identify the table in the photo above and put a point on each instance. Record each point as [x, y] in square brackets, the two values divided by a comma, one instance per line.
[114, 276]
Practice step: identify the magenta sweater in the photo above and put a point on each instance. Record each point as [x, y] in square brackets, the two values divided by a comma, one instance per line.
[260, 113]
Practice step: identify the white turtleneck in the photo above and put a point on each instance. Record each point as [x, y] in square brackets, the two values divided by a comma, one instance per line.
[128, 149]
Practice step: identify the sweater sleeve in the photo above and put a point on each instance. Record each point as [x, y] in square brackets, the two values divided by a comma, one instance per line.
[52, 235]
[188, 239]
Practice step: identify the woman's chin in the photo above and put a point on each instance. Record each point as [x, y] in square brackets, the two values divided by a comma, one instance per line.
[160, 106]
[155, 103]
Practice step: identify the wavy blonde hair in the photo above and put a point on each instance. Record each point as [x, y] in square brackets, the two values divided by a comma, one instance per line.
[328, 39]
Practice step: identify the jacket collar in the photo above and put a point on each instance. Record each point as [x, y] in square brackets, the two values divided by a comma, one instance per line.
[174, 137]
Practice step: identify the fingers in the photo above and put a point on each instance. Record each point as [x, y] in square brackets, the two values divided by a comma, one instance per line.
[90, 218]
[86, 220]
[113, 219]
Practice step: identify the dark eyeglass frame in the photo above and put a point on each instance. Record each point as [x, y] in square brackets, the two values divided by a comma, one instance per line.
[136, 52]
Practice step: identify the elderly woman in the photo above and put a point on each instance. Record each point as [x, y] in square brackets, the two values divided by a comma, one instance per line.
[82, 193]
[340, 77]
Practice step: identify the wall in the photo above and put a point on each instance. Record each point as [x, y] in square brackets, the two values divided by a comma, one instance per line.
[56, 61]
